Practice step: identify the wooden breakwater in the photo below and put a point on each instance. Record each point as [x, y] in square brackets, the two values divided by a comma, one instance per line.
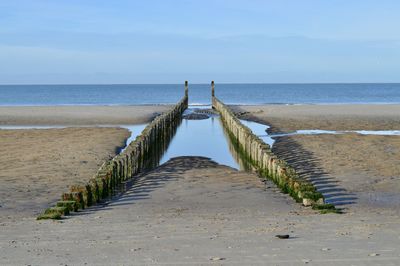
[260, 156]
[143, 154]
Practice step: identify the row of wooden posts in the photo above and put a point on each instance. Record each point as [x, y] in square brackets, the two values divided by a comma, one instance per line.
[145, 152]
[259, 155]
[140, 155]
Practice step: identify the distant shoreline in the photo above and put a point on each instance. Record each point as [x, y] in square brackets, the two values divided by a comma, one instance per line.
[200, 94]
[204, 83]
[137, 114]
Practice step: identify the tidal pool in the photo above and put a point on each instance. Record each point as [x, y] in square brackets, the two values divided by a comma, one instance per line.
[135, 131]
[201, 138]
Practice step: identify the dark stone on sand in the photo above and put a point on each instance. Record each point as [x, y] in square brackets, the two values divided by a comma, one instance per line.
[282, 236]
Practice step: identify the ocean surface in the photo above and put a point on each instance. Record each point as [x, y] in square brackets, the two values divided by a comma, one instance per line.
[243, 94]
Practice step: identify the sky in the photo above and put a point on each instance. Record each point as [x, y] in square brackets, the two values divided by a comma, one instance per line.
[229, 41]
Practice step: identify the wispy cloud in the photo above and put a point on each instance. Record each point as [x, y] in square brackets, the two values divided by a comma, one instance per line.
[260, 40]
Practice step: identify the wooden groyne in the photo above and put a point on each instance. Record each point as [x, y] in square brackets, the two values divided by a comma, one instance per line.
[259, 155]
[143, 154]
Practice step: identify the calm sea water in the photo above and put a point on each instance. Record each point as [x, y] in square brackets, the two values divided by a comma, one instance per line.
[198, 93]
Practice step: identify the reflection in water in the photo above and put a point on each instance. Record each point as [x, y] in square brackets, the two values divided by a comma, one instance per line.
[208, 138]
[201, 138]
[260, 130]
[159, 146]
[234, 149]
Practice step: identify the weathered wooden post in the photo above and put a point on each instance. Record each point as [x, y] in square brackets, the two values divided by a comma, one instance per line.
[186, 88]
[212, 89]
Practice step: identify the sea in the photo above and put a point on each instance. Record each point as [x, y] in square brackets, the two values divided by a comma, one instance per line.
[199, 94]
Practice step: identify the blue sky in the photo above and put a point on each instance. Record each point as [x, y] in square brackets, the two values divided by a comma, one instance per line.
[71, 41]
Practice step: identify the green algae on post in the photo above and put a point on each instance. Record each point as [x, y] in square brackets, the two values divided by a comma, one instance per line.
[52, 216]
[326, 208]
[260, 156]
[53, 213]
[70, 204]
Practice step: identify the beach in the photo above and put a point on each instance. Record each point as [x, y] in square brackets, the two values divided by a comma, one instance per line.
[79, 115]
[360, 170]
[287, 118]
[38, 165]
[199, 133]
[191, 210]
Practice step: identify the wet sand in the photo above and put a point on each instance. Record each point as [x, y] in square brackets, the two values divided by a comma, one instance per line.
[351, 170]
[287, 118]
[191, 211]
[38, 165]
[79, 115]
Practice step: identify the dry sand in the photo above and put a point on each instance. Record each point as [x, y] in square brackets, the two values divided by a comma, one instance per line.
[79, 115]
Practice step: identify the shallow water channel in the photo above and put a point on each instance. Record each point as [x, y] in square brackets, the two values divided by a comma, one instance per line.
[207, 138]
[201, 138]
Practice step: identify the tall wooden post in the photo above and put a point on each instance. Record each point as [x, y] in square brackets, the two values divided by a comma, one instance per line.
[212, 89]
[186, 89]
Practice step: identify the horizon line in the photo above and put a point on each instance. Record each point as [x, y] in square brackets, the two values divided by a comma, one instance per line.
[183, 83]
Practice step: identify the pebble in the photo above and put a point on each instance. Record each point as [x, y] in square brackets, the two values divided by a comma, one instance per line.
[373, 254]
[282, 236]
[217, 258]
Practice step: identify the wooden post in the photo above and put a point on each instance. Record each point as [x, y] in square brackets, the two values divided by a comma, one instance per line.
[186, 89]
[212, 89]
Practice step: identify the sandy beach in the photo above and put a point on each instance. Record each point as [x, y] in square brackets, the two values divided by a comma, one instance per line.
[286, 118]
[199, 133]
[79, 115]
[192, 211]
[37, 165]
[360, 170]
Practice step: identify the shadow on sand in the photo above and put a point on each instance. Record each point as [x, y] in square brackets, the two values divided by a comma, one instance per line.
[139, 187]
[307, 166]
